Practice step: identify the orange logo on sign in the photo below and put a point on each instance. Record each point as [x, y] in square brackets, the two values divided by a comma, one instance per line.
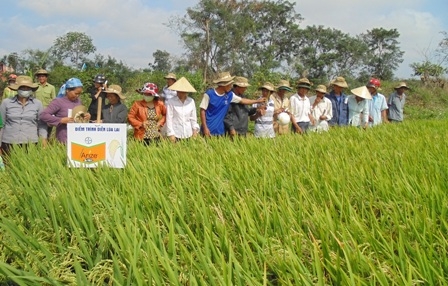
[89, 154]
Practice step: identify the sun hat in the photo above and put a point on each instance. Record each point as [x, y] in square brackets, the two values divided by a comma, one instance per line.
[339, 81]
[401, 84]
[241, 81]
[171, 76]
[321, 88]
[375, 83]
[267, 85]
[41, 72]
[284, 84]
[362, 91]
[304, 82]
[223, 79]
[149, 88]
[115, 89]
[73, 82]
[23, 80]
[182, 85]
[79, 113]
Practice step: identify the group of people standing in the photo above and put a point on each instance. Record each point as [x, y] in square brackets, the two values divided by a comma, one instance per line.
[30, 110]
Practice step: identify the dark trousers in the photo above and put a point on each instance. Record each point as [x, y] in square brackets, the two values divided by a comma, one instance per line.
[303, 125]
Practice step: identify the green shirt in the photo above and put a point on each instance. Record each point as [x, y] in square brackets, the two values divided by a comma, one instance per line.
[7, 92]
[45, 93]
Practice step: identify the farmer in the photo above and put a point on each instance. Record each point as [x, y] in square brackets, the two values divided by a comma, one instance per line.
[115, 111]
[99, 85]
[148, 115]
[264, 117]
[215, 104]
[321, 109]
[237, 117]
[281, 104]
[378, 104]
[357, 105]
[46, 92]
[21, 116]
[338, 102]
[167, 92]
[8, 92]
[396, 103]
[181, 115]
[58, 111]
[300, 107]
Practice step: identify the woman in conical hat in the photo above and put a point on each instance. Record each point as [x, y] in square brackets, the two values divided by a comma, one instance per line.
[181, 114]
[357, 105]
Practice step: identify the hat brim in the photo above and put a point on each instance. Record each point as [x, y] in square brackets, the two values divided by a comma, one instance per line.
[221, 80]
[287, 88]
[241, 84]
[224, 83]
[16, 86]
[406, 87]
[321, 91]
[120, 96]
[304, 86]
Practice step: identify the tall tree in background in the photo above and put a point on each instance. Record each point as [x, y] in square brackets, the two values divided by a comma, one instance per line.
[162, 61]
[384, 52]
[74, 46]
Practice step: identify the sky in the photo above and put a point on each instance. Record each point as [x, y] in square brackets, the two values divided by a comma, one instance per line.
[132, 30]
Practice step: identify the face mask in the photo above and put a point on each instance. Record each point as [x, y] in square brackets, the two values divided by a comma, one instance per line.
[148, 98]
[24, 93]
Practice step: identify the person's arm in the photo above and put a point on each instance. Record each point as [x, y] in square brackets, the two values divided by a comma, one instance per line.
[48, 115]
[384, 110]
[194, 120]
[204, 123]
[169, 121]
[162, 120]
[132, 117]
[229, 120]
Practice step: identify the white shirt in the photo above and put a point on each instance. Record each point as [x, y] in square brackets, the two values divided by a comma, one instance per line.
[181, 118]
[264, 125]
[300, 107]
[168, 93]
[323, 108]
[354, 111]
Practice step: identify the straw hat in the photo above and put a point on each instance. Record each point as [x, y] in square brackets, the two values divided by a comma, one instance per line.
[23, 80]
[182, 85]
[241, 81]
[284, 84]
[304, 82]
[170, 75]
[115, 89]
[339, 81]
[401, 84]
[41, 72]
[267, 85]
[362, 91]
[321, 88]
[79, 113]
[223, 79]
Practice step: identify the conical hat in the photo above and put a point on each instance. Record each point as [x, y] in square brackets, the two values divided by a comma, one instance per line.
[362, 91]
[182, 84]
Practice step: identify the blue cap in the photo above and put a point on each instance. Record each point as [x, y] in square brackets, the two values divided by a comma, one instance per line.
[73, 82]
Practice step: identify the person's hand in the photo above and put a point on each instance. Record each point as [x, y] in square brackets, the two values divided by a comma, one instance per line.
[145, 124]
[87, 117]
[66, 120]
[316, 101]
[173, 139]
[195, 133]
[298, 129]
[232, 132]
[370, 118]
[44, 143]
[322, 117]
[206, 131]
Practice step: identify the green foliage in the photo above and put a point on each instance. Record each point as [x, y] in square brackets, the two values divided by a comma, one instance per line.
[329, 211]
[162, 61]
[73, 46]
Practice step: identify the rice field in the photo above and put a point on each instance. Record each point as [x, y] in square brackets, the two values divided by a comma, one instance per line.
[348, 207]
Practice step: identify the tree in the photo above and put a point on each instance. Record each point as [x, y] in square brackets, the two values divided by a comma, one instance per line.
[73, 45]
[384, 52]
[326, 53]
[162, 61]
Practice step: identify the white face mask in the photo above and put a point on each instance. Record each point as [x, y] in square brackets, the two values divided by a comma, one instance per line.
[148, 98]
[24, 93]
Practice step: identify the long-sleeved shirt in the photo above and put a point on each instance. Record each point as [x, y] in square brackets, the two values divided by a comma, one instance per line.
[396, 104]
[45, 93]
[181, 117]
[168, 93]
[377, 105]
[323, 108]
[300, 107]
[355, 109]
[117, 113]
[339, 108]
[22, 123]
[55, 111]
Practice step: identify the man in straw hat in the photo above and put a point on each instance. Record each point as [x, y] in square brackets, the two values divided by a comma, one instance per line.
[215, 104]
[20, 116]
[396, 103]
[281, 104]
[237, 119]
[357, 106]
[167, 92]
[300, 107]
[321, 109]
[264, 117]
[378, 104]
[338, 102]
[181, 115]
[8, 92]
[114, 111]
[46, 92]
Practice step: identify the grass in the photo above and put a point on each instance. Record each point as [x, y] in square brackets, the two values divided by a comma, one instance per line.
[348, 207]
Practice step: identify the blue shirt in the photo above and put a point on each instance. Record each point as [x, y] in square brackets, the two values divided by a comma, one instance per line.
[339, 108]
[217, 110]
